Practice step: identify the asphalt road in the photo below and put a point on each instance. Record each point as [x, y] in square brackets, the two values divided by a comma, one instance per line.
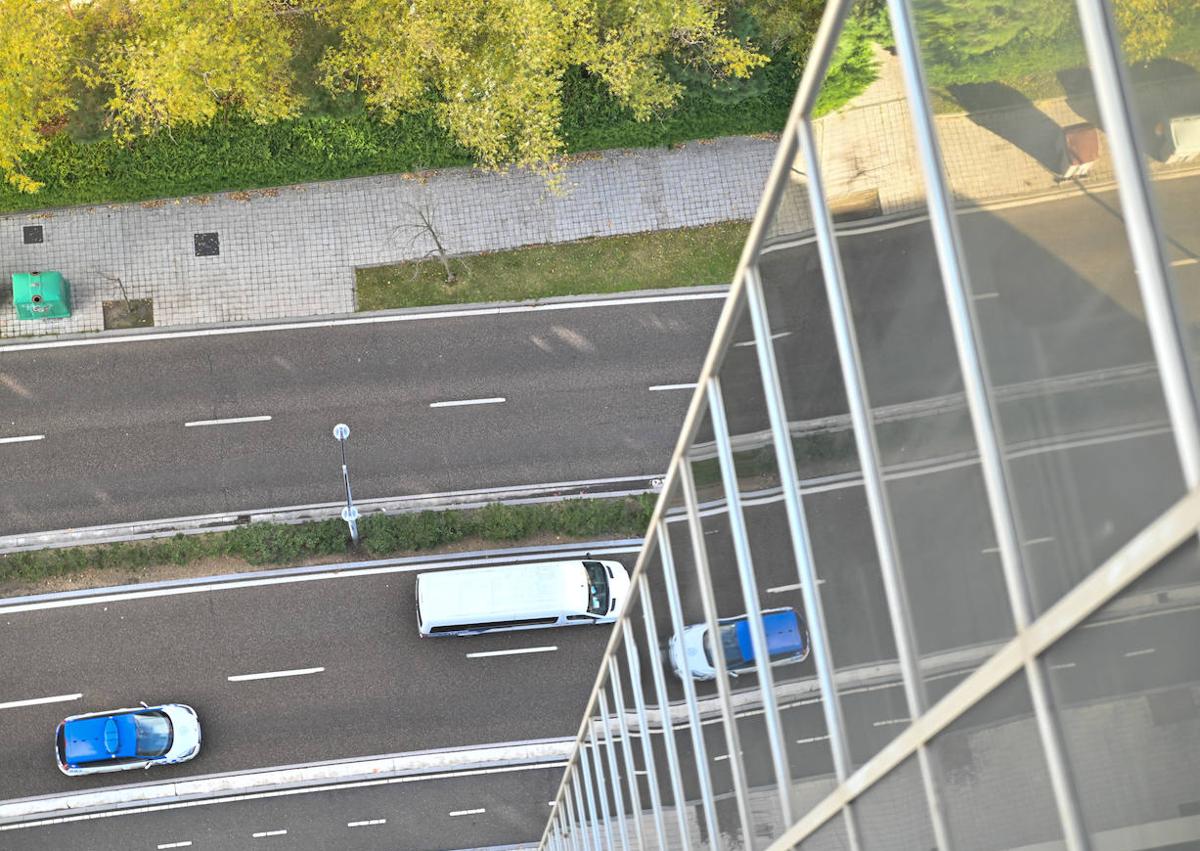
[575, 385]
[1089, 463]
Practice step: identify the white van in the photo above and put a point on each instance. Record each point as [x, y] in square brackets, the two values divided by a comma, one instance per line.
[521, 596]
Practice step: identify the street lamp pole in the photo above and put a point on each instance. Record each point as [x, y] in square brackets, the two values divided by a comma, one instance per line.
[341, 431]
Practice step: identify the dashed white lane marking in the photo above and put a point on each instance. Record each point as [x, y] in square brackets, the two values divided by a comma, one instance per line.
[228, 421]
[889, 722]
[270, 675]
[174, 845]
[474, 812]
[691, 386]
[721, 757]
[796, 586]
[1145, 652]
[981, 296]
[780, 335]
[809, 741]
[25, 438]
[58, 698]
[368, 823]
[1062, 666]
[548, 648]
[1029, 543]
[490, 400]
[1186, 261]
[261, 834]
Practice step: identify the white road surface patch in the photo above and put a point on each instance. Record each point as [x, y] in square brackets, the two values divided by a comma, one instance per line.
[174, 845]
[547, 648]
[263, 833]
[228, 421]
[474, 812]
[25, 438]
[1145, 652]
[368, 823]
[58, 698]
[270, 675]
[691, 386]
[490, 400]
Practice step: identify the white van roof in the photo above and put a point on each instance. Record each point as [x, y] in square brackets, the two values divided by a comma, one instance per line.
[483, 594]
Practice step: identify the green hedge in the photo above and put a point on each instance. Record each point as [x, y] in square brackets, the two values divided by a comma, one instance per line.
[234, 153]
[381, 535]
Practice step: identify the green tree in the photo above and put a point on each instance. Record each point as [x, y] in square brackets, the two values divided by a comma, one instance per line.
[955, 31]
[37, 42]
[492, 70]
[171, 62]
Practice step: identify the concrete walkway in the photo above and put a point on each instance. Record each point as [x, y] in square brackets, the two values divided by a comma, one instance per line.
[292, 251]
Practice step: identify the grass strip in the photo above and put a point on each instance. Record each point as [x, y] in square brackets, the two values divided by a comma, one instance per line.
[666, 258]
[271, 544]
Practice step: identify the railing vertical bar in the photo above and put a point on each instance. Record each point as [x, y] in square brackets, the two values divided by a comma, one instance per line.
[614, 771]
[639, 703]
[635, 796]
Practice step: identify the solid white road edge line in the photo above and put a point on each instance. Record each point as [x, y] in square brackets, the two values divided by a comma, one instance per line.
[106, 803]
[228, 421]
[25, 438]
[389, 566]
[490, 400]
[469, 812]
[58, 698]
[270, 675]
[365, 320]
[548, 648]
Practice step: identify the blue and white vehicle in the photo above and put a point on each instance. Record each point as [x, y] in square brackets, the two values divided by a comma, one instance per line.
[122, 739]
[691, 651]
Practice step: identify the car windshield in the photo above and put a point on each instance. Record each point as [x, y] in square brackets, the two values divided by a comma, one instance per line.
[729, 645]
[597, 588]
[153, 733]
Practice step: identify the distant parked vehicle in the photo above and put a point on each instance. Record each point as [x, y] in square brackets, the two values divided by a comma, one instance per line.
[1177, 138]
[691, 652]
[522, 596]
[122, 739]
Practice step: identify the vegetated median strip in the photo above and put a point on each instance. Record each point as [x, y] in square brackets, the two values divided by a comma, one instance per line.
[37, 701]
[381, 535]
[272, 675]
[227, 421]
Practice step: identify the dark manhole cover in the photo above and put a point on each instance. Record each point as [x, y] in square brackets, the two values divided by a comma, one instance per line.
[33, 234]
[207, 245]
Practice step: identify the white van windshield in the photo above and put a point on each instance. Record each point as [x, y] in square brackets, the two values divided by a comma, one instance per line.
[597, 588]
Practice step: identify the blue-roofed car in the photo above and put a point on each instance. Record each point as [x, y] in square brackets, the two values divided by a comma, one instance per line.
[121, 739]
[691, 651]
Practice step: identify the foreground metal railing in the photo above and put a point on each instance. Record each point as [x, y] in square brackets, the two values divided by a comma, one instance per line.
[644, 772]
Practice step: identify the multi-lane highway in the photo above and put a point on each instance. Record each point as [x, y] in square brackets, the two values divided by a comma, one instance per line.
[454, 401]
[1090, 462]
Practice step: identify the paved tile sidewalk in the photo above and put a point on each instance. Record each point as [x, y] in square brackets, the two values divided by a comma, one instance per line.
[291, 251]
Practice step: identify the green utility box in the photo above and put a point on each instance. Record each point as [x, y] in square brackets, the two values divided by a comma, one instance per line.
[41, 295]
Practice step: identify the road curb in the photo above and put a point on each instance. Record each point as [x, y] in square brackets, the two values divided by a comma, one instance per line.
[19, 813]
[223, 522]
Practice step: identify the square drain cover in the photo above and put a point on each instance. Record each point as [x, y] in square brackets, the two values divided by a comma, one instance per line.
[33, 234]
[207, 244]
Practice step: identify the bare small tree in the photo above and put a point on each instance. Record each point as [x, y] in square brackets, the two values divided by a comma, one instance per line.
[116, 279]
[421, 228]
